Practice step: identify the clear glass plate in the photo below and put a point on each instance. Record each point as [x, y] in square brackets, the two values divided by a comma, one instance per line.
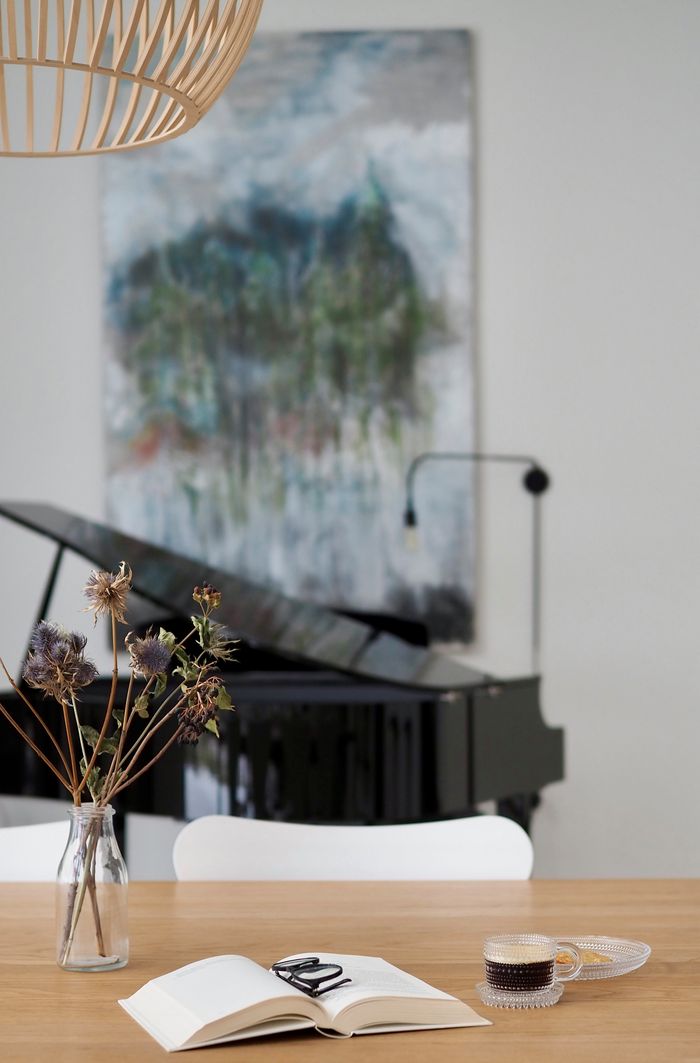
[622, 956]
[503, 998]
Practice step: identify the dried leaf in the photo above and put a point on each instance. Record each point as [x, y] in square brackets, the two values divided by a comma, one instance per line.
[161, 684]
[202, 627]
[141, 706]
[223, 701]
[90, 735]
[167, 637]
[94, 779]
[187, 670]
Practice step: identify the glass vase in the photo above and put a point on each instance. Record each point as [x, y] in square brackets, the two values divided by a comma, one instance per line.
[91, 895]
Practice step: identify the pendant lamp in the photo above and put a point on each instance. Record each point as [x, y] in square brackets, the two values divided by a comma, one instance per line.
[86, 76]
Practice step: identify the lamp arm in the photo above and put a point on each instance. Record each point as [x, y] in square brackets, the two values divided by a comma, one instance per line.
[535, 481]
[538, 483]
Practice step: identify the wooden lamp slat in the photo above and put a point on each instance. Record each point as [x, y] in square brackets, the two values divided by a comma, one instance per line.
[43, 30]
[102, 31]
[128, 38]
[129, 113]
[11, 29]
[164, 123]
[107, 113]
[212, 82]
[211, 49]
[60, 79]
[73, 23]
[194, 43]
[155, 36]
[29, 76]
[176, 39]
[4, 121]
[87, 87]
[148, 116]
[175, 55]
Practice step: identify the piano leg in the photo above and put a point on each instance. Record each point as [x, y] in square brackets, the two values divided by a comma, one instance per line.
[519, 807]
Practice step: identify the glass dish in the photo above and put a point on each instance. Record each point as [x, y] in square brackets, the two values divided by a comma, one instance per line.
[623, 956]
[540, 998]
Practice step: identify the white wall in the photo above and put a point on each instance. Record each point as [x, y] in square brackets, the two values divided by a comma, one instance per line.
[588, 259]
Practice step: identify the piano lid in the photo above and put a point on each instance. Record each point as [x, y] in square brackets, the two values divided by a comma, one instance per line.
[263, 617]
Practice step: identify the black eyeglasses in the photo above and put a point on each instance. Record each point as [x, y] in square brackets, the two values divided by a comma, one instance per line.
[309, 974]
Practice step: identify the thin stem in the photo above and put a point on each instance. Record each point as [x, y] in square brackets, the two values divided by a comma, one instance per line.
[116, 759]
[171, 695]
[151, 729]
[77, 900]
[34, 746]
[147, 736]
[127, 703]
[80, 737]
[71, 751]
[92, 888]
[127, 782]
[37, 716]
[131, 717]
[110, 705]
[77, 724]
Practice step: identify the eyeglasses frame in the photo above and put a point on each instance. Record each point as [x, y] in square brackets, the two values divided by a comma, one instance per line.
[287, 971]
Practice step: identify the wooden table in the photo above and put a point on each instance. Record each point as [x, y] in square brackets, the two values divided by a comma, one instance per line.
[434, 930]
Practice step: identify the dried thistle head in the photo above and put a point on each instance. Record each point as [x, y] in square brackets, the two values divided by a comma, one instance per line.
[56, 663]
[107, 592]
[148, 656]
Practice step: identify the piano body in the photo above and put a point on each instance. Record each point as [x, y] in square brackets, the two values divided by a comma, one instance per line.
[337, 720]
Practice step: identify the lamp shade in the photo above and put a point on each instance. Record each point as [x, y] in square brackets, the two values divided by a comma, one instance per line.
[85, 76]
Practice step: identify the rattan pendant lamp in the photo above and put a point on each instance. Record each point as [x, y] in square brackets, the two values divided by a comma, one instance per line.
[85, 76]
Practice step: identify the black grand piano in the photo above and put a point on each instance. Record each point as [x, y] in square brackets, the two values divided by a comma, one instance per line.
[339, 719]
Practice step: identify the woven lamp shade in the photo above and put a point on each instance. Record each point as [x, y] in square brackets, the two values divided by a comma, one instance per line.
[85, 76]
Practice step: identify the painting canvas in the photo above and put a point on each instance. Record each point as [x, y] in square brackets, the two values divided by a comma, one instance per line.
[288, 293]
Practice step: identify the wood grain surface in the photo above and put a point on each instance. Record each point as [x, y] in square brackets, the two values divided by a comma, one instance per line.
[433, 930]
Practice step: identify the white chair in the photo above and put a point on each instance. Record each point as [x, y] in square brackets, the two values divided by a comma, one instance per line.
[32, 853]
[17, 810]
[33, 835]
[228, 847]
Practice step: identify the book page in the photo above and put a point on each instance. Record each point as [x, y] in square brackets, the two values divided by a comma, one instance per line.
[372, 979]
[381, 994]
[212, 997]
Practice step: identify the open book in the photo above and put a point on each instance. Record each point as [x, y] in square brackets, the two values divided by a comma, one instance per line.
[229, 998]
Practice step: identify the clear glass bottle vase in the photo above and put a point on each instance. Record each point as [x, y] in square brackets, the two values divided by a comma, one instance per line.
[91, 895]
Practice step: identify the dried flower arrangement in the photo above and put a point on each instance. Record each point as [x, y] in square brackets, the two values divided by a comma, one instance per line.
[103, 763]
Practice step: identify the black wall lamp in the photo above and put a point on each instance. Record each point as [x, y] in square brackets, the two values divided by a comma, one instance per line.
[535, 481]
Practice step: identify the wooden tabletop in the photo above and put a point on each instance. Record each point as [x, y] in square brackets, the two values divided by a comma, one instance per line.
[433, 930]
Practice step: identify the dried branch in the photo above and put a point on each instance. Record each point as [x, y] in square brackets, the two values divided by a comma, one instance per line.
[37, 716]
[110, 706]
[32, 744]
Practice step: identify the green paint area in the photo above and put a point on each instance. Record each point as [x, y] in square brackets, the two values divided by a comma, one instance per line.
[286, 333]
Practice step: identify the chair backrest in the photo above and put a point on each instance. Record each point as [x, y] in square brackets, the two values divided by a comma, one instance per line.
[18, 810]
[227, 847]
[32, 853]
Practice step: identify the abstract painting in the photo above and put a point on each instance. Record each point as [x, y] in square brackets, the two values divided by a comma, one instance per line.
[288, 294]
